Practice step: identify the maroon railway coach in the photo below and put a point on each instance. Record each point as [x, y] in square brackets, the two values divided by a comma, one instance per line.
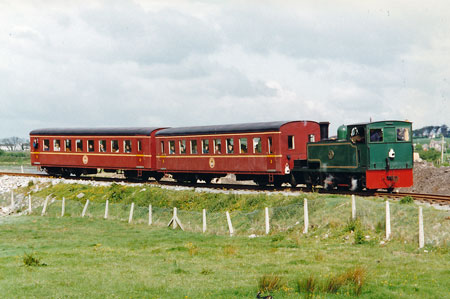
[263, 152]
[76, 151]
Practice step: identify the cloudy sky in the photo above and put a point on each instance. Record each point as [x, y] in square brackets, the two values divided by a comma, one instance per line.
[176, 63]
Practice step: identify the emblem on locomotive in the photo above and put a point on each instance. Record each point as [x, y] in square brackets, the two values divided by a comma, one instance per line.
[212, 163]
[85, 159]
[331, 154]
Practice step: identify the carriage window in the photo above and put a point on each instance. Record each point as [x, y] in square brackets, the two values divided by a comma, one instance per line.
[193, 146]
[291, 142]
[217, 146]
[402, 134]
[172, 147]
[257, 145]
[102, 146]
[127, 146]
[205, 146]
[79, 145]
[91, 145]
[376, 135]
[162, 148]
[243, 145]
[56, 145]
[269, 144]
[115, 146]
[46, 145]
[312, 138]
[139, 145]
[182, 146]
[230, 146]
[68, 144]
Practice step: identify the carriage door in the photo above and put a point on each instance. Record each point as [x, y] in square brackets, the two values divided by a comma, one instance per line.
[140, 154]
[270, 156]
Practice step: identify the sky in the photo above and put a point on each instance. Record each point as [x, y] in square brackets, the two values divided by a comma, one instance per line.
[187, 63]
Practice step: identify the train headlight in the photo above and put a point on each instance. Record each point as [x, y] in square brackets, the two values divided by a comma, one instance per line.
[391, 153]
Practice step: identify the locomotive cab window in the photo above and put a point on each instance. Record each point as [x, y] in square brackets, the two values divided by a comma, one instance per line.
[230, 146]
[402, 134]
[193, 146]
[79, 145]
[257, 145]
[243, 145]
[217, 147]
[91, 145]
[172, 147]
[46, 145]
[357, 135]
[68, 145]
[205, 146]
[115, 146]
[56, 145]
[127, 146]
[376, 135]
[102, 146]
[162, 148]
[291, 144]
[182, 145]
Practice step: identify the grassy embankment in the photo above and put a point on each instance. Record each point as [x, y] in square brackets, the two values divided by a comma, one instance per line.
[14, 158]
[92, 257]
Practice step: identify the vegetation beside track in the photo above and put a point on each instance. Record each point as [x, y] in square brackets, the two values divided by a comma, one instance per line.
[87, 257]
[14, 158]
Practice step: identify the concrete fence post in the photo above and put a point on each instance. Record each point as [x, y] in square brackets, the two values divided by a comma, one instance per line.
[175, 222]
[150, 216]
[130, 218]
[44, 208]
[21, 169]
[29, 203]
[421, 234]
[230, 225]
[305, 215]
[63, 206]
[267, 220]
[204, 220]
[85, 208]
[353, 207]
[388, 221]
[106, 209]
[12, 200]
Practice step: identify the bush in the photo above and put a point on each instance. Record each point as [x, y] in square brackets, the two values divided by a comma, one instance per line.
[271, 282]
[430, 155]
[406, 200]
[32, 261]
[308, 285]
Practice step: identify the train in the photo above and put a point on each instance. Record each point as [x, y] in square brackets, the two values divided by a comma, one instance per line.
[371, 156]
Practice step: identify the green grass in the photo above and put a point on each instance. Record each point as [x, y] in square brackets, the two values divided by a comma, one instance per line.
[89, 257]
[14, 158]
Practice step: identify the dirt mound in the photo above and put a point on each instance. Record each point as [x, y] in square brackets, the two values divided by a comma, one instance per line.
[430, 179]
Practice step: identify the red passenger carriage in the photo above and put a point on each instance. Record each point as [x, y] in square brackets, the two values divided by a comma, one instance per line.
[263, 152]
[77, 151]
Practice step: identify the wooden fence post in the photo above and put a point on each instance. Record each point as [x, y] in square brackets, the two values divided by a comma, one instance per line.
[63, 206]
[267, 220]
[305, 215]
[388, 221]
[12, 200]
[204, 220]
[106, 209]
[230, 225]
[150, 216]
[130, 218]
[175, 221]
[29, 203]
[353, 207]
[421, 234]
[44, 208]
[85, 208]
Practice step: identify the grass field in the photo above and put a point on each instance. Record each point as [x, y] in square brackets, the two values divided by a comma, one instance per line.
[86, 257]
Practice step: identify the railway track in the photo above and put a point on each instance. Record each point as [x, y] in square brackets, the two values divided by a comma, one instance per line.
[429, 198]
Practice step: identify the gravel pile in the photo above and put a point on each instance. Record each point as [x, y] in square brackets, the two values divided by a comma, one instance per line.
[430, 179]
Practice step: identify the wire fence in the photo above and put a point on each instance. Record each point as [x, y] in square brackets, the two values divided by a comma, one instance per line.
[326, 216]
